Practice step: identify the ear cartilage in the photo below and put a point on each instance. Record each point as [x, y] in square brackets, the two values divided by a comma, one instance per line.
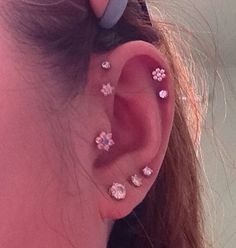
[163, 94]
[158, 74]
[136, 181]
[107, 89]
[117, 191]
[147, 171]
[106, 65]
[104, 141]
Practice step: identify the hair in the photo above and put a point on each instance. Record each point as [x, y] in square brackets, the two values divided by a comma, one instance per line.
[67, 32]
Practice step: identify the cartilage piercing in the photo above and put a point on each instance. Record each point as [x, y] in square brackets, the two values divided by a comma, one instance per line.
[163, 94]
[159, 74]
[104, 141]
[106, 65]
[107, 89]
[147, 171]
[136, 180]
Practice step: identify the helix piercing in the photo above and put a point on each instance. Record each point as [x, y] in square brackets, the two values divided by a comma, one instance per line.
[104, 141]
[117, 191]
[106, 65]
[107, 89]
[158, 74]
[147, 171]
[136, 180]
[163, 94]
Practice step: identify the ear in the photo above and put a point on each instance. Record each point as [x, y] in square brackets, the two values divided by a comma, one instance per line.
[98, 6]
[138, 118]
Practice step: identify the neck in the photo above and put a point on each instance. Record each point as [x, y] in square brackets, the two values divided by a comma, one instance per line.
[38, 216]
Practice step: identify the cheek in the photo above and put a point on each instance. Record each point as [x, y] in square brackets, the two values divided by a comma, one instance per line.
[26, 143]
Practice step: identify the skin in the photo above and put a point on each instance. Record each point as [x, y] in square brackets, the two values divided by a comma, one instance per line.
[46, 200]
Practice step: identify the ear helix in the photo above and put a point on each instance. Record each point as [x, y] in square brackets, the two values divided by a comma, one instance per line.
[104, 141]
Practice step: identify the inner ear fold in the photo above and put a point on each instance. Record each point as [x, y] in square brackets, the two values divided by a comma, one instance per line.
[134, 115]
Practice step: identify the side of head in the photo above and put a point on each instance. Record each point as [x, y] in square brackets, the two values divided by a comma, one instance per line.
[54, 111]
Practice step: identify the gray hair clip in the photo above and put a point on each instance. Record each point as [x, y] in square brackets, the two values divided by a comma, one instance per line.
[113, 12]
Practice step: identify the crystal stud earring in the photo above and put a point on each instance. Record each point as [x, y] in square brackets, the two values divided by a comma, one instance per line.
[104, 141]
[106, 65]
[163, 94]
[136, 181]
[107, 89]
[117, 191]
[158, 74]
[147, 171]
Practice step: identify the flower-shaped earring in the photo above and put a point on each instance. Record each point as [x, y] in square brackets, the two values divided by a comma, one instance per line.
[107, 89]
[158, 74]
[106, 65]
[104, 141]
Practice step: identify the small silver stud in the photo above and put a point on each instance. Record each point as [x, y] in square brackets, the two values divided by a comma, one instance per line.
[163, 94]
[136, 181]
[104, 141]
[117, 191]
[147, 171]
[106, 65]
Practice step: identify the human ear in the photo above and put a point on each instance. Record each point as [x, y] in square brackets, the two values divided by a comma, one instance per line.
[98, 6]
[139, 114]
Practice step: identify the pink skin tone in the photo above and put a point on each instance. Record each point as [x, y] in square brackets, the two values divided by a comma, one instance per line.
[45, 199]
[99, 6]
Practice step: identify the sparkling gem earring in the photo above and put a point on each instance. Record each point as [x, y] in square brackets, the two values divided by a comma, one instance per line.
[163, 94]
[104, 141]
[136, 180]
[117, 191]
[107, 89]
[158, 74]
[106, 65]
[147, 171]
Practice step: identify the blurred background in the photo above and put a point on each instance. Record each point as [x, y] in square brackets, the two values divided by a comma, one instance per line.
[214, 23]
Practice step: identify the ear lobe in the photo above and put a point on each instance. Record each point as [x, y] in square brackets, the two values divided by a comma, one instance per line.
[140, 121]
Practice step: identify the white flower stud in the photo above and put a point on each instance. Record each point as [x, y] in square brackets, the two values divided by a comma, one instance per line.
[117, 191]
[107, 89]
[158, 74]
[104, 141]
[147, 172]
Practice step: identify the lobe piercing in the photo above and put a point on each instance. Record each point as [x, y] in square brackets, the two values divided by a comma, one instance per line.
[136, 181]
[106, 65]
[117, 191]
[163, 94]
[147, 172]
[107, 89]
[158, 74]
[104, 141]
